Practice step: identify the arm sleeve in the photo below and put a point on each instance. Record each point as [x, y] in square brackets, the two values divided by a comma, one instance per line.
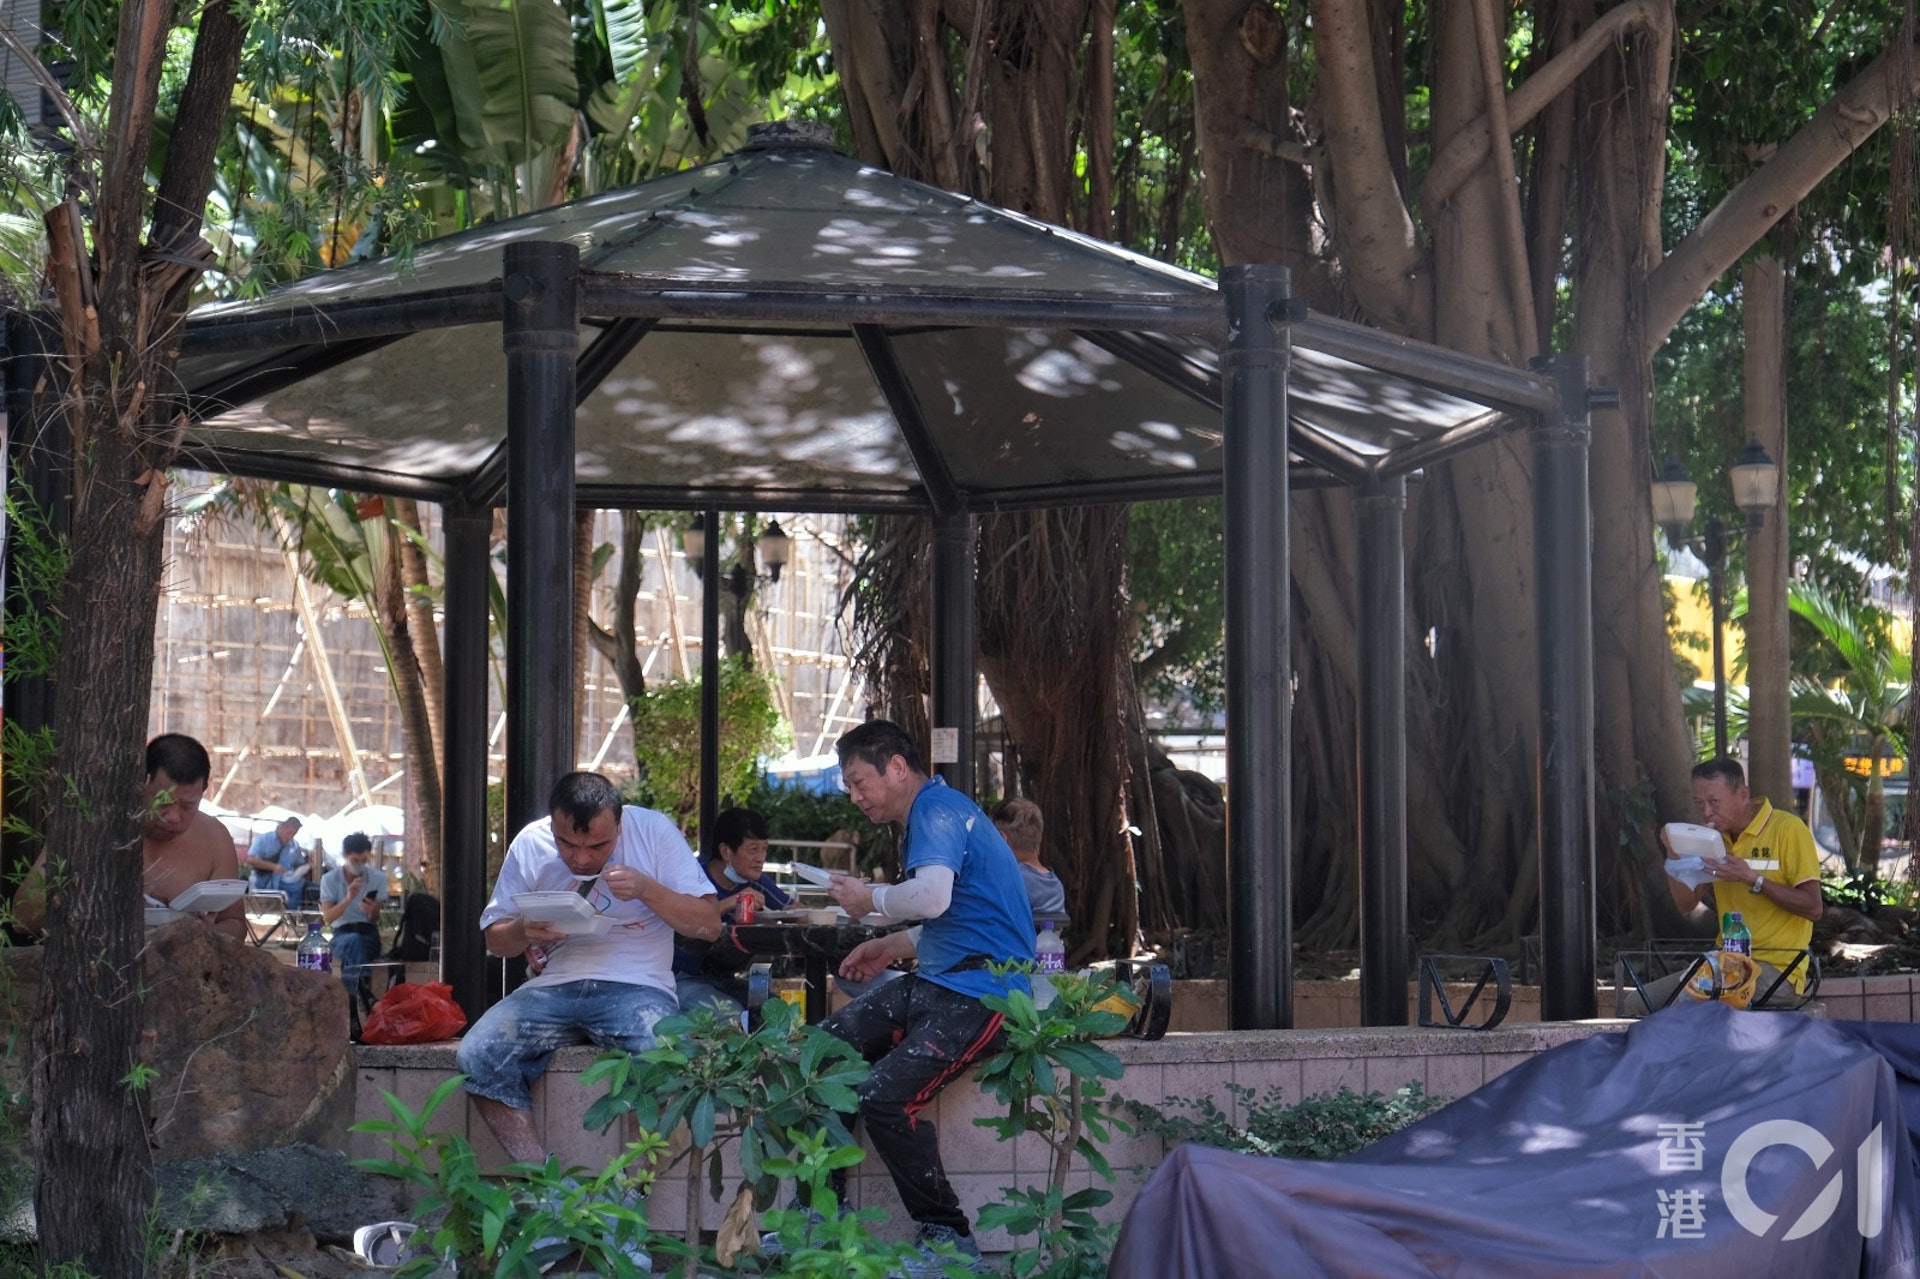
[675, 864]
[332, 889]
[926, 896]
[1799, 859]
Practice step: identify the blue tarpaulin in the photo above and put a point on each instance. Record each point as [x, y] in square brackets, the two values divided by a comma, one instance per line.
[1703, 1143]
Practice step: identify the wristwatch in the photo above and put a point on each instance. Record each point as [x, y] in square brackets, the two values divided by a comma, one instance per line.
[1758, 886]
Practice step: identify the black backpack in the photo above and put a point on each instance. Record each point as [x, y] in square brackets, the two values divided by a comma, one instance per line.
[419, 930]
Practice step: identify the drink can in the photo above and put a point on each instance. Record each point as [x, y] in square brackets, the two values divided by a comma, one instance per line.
[744, 912]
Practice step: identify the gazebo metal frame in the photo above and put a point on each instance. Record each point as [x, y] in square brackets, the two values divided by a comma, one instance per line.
[1244, 350]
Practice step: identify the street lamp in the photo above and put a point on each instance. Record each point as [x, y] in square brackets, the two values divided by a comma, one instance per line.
[1756, 481]
[775, 548]
[774, 545]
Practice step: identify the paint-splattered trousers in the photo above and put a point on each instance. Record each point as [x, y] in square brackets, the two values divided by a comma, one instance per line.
[509, 1047]
[920, 1037]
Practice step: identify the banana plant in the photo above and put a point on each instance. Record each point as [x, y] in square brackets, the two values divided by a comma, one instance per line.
[1854, 703]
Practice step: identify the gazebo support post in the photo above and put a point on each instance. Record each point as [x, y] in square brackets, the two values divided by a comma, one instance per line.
[1563, 585]
[1384, 958]
[1259, 676]
[952, 625]
[468, 532]
[541, 291]
[710, 685]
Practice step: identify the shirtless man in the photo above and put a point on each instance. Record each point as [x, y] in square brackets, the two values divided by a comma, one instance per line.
[181, 845]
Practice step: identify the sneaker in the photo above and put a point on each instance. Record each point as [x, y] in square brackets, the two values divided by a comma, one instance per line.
[935, 1246]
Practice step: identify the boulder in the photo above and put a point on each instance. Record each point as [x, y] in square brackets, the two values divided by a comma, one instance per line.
[293, 1187]
[247, 1052]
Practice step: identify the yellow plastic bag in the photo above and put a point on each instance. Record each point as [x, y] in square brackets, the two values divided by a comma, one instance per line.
[1728, 976]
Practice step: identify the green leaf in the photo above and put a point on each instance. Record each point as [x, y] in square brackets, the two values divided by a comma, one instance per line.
[701, 1122]
[523, 58]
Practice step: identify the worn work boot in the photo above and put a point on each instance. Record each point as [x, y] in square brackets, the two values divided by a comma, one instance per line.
[935, 1247]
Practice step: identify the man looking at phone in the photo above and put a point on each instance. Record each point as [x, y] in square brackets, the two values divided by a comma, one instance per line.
[351, 895]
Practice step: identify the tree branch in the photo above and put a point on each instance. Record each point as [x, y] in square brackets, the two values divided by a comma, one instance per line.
[1751, 209]
[1373, 229]
[1466, 149]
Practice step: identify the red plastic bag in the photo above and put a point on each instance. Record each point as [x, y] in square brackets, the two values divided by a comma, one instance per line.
[415, 1013]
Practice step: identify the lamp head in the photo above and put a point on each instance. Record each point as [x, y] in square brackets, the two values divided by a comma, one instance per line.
[1674, 497]
[1756, 483]
[776, 549]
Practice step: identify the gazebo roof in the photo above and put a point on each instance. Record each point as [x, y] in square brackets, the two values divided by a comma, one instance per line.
[787, 328]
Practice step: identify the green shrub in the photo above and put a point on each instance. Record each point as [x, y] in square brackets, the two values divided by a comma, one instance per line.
[666, 739]
[1325, 1126]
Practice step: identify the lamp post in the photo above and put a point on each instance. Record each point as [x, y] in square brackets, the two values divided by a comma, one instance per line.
[1755, 481]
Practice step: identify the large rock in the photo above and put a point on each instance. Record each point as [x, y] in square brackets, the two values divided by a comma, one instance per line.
[248, 1053]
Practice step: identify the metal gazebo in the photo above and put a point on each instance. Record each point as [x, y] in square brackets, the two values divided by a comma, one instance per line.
[787, 329]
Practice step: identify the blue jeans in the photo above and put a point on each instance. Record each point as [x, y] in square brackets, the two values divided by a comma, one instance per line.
[726, 995]
[509, 1047]
[353, 947]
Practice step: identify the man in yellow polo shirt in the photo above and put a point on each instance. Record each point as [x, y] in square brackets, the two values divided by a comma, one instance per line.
[1771, 874]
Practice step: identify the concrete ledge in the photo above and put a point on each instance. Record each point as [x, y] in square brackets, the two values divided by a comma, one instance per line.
[1276, 1065]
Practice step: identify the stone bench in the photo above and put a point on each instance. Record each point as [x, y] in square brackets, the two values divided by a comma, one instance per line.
[1187, 1066]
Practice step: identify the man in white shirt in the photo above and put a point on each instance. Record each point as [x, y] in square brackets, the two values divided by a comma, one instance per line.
[634, 868]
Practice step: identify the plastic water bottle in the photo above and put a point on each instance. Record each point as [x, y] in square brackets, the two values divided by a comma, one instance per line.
[313, 952]
[1050, 958]
[1734, 935]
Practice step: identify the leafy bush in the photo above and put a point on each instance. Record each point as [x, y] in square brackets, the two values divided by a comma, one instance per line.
[666, 738]
[1860, 891]
[764, 1090]
[514, 1228]
[1049, 1074]
[1325, 1126]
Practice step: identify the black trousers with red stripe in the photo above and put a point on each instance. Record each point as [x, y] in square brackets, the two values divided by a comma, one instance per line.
[920, 1037]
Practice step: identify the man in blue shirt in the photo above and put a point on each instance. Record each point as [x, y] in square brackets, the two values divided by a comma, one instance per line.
[964, 892]
[273, 856]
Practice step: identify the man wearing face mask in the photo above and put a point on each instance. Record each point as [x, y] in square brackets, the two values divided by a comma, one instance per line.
[737, 872]
[610, 987]
[351, 895]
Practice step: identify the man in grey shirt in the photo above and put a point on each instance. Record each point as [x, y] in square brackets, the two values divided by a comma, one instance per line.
[1021, 826]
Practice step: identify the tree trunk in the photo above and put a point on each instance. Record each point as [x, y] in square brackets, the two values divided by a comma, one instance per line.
[1051, 639]
[1259, 196]
[94, 1180]
[1763, 306]
[414, 577]
[391, 609]
[119, 313]
[620, 647]
[1873, 823]
[1642, 751]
